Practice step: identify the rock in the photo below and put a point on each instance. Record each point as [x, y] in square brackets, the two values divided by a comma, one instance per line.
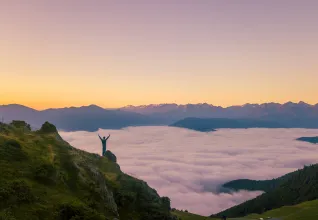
[112, 157]
[105, 193]
[48, 128]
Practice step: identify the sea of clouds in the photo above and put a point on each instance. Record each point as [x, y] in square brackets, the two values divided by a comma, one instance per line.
[189, 166]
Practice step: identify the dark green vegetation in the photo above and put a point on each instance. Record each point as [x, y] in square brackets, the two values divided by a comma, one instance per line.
[302, 211]
[313, 140]
[291, 189]
[258, 185]
[43, 177]
[210, 124]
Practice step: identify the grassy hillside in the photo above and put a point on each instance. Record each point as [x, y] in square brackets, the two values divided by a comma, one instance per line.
[305, 210]
[291, 189]
[43, 177]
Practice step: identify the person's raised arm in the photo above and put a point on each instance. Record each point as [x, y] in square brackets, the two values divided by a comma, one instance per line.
[99, 137]
[107, 137]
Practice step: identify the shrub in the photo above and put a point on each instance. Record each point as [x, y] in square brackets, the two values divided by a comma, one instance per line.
[12, 151]
[12, 143]
[16, 192]
[45, 173]
[76, 211]
[21, 124]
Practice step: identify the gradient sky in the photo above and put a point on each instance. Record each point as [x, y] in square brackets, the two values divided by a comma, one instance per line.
[115, 53]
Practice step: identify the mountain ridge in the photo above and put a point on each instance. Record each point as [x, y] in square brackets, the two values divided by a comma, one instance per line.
[93, 117]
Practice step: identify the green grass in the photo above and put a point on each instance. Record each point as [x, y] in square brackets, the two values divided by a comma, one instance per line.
[190, 216]
[303, 211]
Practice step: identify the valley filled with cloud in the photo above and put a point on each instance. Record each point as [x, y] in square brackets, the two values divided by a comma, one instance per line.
[190, 166]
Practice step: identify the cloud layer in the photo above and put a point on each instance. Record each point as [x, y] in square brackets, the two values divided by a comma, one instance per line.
[189, 166]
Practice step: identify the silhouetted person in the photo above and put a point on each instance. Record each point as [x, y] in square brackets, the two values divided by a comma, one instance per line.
[104, 140]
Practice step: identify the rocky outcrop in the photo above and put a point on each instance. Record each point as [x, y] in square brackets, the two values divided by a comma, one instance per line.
[48, 128]
[110, 156]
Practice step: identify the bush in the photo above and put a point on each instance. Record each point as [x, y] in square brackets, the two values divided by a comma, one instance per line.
[12, 151]
[21, 124]
[166, 203]
[6, 215]
[124, 198]
[13, 143]
[45, 173]
[17, 192]
[112, 157]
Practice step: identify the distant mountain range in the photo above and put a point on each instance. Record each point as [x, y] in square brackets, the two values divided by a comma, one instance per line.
[86, 118]
[290, 189]
[92, 117]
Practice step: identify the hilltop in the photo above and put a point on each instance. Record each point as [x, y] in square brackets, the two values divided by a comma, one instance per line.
[43, 177]
[290, 189]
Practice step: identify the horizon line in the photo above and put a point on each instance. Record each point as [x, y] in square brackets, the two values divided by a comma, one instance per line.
[160, 104]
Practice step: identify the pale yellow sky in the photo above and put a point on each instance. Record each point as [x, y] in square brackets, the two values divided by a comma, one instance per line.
[56, 54]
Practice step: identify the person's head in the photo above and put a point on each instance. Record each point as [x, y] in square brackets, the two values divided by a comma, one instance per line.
[104, 137]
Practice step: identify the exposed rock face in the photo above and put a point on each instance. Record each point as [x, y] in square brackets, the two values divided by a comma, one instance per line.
[105, 193]
[112, 157]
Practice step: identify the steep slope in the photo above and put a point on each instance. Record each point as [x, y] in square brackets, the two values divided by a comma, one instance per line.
[291, 189]
[43, 177]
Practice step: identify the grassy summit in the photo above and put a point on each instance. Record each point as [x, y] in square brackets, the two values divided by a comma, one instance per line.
[43, 177]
